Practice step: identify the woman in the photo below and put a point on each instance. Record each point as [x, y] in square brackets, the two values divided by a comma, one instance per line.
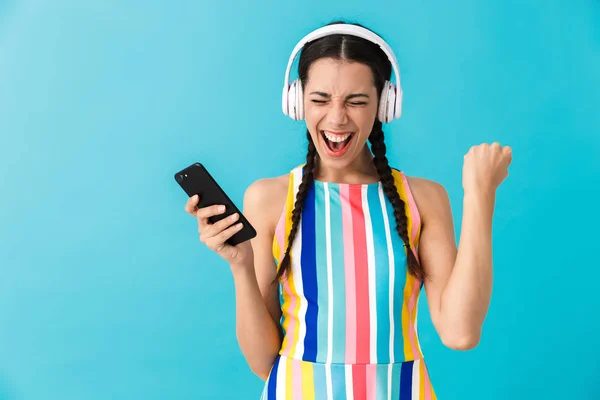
[327, 292]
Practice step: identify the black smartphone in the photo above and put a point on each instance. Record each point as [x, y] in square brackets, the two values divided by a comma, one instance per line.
[196, 179]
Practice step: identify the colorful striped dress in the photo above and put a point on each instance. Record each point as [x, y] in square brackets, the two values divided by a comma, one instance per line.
[349, 307]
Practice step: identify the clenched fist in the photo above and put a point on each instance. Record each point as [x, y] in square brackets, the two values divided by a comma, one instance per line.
[486, 167]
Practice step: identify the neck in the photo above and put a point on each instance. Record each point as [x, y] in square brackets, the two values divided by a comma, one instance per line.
[361, 170]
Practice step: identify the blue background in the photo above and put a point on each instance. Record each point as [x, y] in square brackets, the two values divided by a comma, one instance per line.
[105, 290]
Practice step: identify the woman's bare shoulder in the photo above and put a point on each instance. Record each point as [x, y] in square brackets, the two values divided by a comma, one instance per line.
[265, 199]
[429, 195]
[422, 184]
[267, 189]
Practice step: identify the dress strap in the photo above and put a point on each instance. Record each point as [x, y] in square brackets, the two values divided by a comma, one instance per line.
[412, 212]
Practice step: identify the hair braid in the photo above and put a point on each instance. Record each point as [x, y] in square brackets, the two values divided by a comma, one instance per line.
[385, 174]
[307, 180]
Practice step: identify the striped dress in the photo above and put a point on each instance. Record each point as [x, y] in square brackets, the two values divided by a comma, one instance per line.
[349, 307]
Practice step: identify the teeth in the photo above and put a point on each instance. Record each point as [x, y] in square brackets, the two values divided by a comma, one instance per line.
[336, 138]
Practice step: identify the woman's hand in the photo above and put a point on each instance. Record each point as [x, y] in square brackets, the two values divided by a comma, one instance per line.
[486, 167]
[214, 236]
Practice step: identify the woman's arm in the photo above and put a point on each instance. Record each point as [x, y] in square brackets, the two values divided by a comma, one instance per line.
[459, 283]
[257, 301]
[459, 286]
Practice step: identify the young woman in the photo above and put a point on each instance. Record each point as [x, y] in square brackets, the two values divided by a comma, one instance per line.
[327, 292]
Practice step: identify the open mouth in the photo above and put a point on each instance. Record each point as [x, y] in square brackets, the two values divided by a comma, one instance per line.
[337, 143]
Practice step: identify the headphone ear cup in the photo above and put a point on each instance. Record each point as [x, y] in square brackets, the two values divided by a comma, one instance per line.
[292, 100]
[383, 104]
[391, 106]
[299, 101]
[399, 102]
[295, 101]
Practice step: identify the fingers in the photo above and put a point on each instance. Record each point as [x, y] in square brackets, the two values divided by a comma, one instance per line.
[508, 153]
[217, 242]
[202, 214]
[495, 145]
[190, 205]
[210, 211]
[213, 229]
[214, 235]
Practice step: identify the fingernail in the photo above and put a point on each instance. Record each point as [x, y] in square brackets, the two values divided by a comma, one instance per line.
[221, 208]
[234, 217]
[238, 226]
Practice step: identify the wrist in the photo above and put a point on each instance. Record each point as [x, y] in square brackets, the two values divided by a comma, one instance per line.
[480, 193]
[481, 202]
[242, 270]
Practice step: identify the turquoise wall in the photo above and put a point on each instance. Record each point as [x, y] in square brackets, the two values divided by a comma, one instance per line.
[105, 290]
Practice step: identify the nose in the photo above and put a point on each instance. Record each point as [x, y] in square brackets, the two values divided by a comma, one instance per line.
[337, 114]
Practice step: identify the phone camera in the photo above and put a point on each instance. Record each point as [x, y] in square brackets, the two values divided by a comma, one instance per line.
[179, 178]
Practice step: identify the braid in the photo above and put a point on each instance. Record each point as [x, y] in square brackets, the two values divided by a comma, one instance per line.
[385, 174]
[307, 179]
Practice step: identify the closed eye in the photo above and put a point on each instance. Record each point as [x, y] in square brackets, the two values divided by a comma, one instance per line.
[349, 97]
[354, 103]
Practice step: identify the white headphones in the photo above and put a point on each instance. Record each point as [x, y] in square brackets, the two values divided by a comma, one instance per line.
[390, 104]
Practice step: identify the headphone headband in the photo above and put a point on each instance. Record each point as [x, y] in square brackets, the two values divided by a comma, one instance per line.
[347, 29]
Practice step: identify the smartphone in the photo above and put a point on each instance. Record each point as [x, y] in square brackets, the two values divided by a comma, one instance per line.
[196, 179]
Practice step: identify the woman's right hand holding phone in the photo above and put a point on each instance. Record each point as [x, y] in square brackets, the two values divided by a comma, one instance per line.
[214, 236]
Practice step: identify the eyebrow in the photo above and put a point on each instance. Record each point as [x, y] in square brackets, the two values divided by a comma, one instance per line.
[350, 96]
